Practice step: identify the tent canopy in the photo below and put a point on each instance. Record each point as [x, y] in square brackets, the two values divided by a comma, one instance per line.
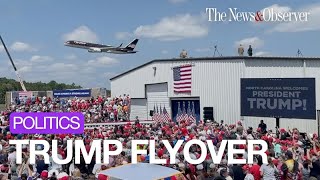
[140, 171]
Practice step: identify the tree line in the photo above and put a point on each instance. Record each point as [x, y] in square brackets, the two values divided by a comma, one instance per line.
[13, 85]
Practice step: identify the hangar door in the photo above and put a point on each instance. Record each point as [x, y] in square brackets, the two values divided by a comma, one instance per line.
[157, 97]
[138, 108]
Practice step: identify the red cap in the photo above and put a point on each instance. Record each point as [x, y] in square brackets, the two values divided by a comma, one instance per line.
[160, 153]
[275, 162]
[102, 177]
[245, 167]
[44, 174]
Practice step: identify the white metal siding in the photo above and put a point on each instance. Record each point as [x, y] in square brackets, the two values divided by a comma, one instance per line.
[157, 95]
[313, 71]
[138, 108]
[217, 83]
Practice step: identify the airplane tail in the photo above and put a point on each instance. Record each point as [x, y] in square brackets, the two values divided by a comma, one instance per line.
[132, 45]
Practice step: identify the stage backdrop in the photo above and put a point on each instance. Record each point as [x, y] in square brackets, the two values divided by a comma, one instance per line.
[281, 97]
[182, 107]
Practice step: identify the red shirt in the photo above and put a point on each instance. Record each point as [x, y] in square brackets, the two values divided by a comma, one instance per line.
[255, 171]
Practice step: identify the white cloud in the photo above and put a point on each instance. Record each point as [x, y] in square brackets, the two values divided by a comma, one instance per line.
[164, 52]
[262, 53]
[64, 67]
[175, 28]
[82, 33]
[84, 73]
[103, 61]
[1, 48]
[255, 42]
[298, 26]
[40, 59]
[109, 74]
[276, 8]
[177, 1]
[25, 69]
[71, 57]
[123, 35]
[22, 47]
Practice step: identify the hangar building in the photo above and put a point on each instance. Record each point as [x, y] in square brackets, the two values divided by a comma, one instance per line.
[215, 82]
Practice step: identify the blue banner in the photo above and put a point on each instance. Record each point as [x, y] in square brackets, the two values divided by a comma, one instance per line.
[72, 93]
[279, 98]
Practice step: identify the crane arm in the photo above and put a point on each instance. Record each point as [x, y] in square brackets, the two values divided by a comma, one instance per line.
[14, 67]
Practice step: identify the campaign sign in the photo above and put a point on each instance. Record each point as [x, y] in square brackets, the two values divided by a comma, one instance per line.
[47, 123]
[72, 93]
[279, 98]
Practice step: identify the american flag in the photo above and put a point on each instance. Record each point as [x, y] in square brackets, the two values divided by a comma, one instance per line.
[166, 116]
[155, 116]
[189, 113]
[184, 113]
[160, 114]
[182, 79]
[192, 117]
[179, 113]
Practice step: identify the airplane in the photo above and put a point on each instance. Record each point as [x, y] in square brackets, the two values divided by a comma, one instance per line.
[99, 48]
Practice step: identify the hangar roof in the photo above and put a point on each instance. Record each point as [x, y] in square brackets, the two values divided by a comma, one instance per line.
[215, 59]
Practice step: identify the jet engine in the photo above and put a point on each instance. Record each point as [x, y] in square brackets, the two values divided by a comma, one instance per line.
[94, 50]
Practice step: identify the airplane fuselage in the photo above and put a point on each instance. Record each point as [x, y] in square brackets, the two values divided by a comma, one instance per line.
[85, 45]
[99, 48]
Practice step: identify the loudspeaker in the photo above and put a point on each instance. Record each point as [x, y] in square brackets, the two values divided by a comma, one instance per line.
[151, 113]
[208, 113]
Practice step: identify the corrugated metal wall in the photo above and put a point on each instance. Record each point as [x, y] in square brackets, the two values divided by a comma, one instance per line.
[139, 108]
[157, 97]
[217, 83]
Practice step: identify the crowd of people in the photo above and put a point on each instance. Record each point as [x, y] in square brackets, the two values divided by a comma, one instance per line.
[100, 109]
[292, 155]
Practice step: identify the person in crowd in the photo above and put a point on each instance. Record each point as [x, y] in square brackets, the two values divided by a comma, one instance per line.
[240, 50]
[246, 171]
[255, 169]
[268, 171]
[250, 51]
[286, 152]
[262, 126]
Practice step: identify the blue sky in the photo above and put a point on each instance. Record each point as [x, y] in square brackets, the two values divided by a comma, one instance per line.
[35, 31]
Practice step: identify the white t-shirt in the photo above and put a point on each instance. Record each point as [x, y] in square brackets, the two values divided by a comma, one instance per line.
[249, 177]
[12, 158]
[55, 165]
[111, 115]
[268, 172]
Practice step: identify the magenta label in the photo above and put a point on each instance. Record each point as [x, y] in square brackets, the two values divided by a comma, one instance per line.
[47, 123]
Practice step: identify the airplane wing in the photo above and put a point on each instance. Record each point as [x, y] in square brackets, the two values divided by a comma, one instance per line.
[109, 48]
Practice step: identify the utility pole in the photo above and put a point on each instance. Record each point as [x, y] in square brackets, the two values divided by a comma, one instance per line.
[14, 67]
